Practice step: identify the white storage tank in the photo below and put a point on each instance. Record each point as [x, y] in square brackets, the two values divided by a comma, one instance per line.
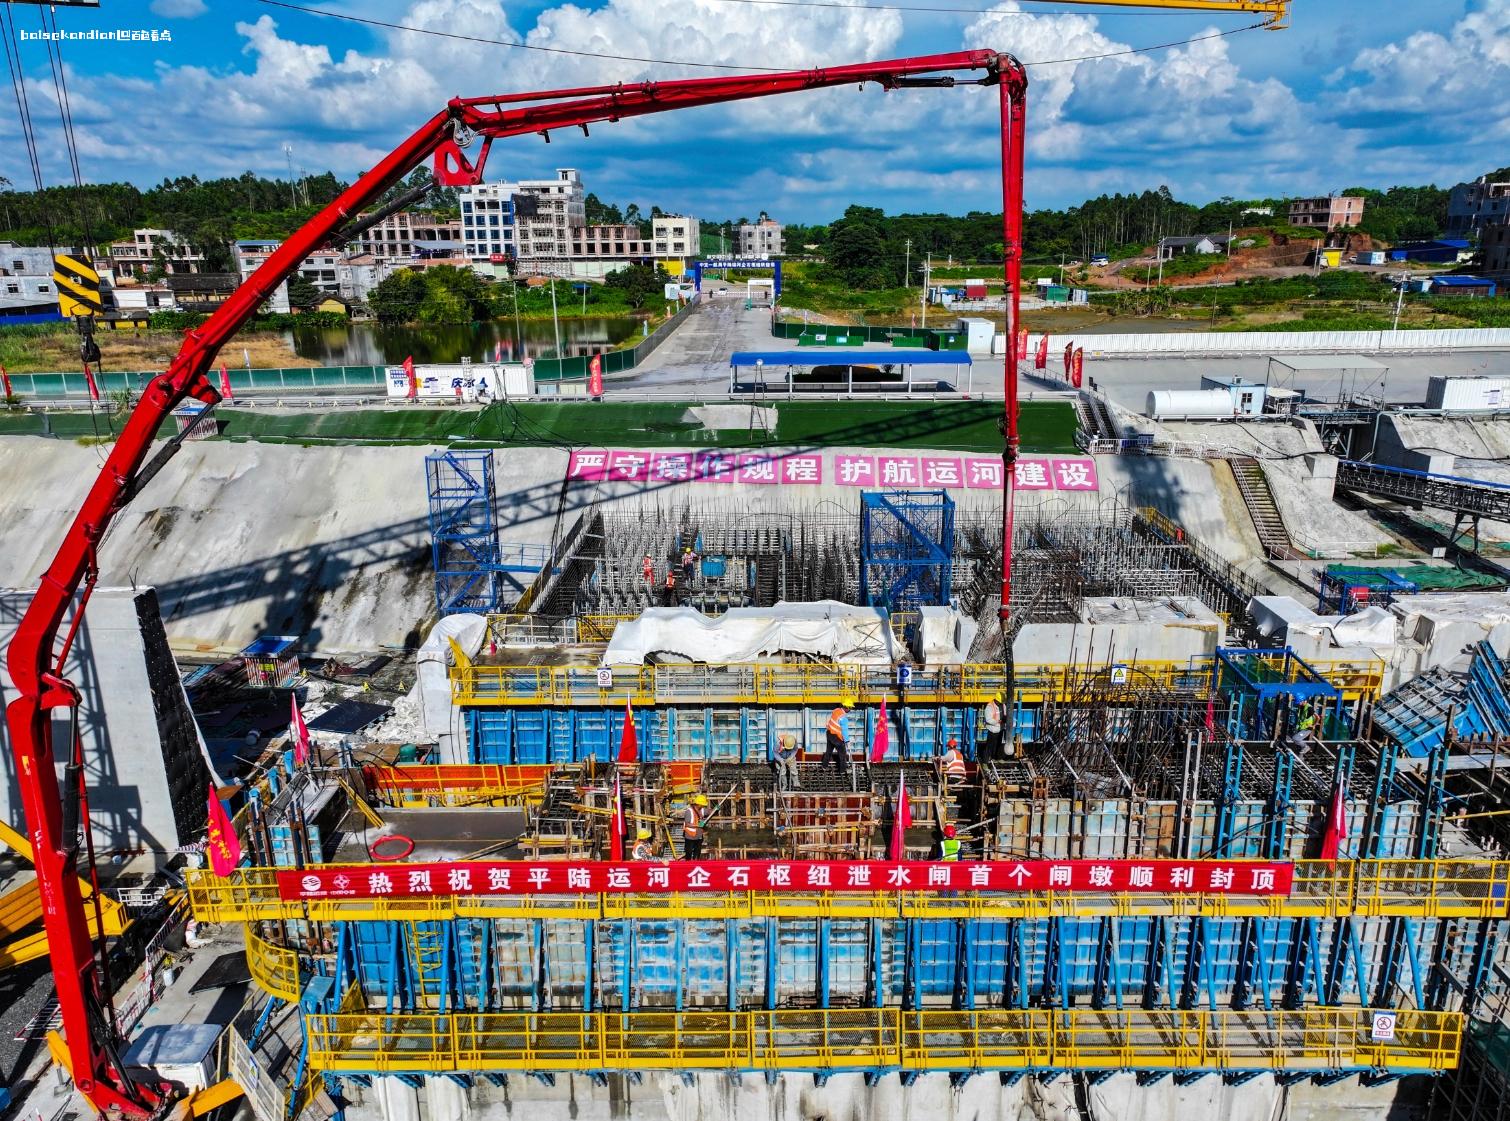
[1467, 393]
[1172, 404]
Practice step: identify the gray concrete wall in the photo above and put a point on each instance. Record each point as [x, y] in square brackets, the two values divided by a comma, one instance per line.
[846, 1097]
[130, 800]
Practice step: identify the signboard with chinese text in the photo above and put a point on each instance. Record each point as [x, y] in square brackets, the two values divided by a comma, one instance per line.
[498, 877]
[805, 468]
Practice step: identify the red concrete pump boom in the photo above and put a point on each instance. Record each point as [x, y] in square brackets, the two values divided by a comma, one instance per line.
[36, 658]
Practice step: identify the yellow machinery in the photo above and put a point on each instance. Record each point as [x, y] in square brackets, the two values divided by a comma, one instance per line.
[21, 907]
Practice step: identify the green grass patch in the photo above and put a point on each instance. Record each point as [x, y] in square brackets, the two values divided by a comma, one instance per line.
[966, 426]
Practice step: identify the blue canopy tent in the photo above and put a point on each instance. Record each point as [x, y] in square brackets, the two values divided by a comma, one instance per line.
[789, 360]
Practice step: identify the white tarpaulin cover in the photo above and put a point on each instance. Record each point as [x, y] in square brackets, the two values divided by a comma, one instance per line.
[825, 629]
[432, 685]
[1373, 626]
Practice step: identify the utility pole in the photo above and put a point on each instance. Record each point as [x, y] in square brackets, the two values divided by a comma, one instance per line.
[1400, 299]
[288, 155]
[923, 299]
[907, 266]
[555, 318]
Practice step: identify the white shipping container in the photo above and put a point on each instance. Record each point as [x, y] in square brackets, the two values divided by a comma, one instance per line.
[1467, 394]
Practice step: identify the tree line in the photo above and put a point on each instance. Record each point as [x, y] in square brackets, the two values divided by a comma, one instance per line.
[865, 246]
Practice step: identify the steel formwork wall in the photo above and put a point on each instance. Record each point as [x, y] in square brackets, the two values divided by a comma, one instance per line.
[463, 535]
[693, 732]
[744, 964]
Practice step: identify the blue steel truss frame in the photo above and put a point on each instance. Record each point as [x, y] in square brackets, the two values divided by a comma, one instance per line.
[906, 548]
[463, 535]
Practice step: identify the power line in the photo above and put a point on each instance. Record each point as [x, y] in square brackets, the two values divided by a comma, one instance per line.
[516, 45]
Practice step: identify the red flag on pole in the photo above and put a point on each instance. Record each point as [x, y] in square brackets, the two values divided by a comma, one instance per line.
[616, 824]
[1078, 367]
[1336, 826]
[412, 376]
[94, 390]
[883, 736]
[298, 731]
[5, 382]
[629, 744]
[1041, 359]
[498, 351]
[1069, 357]
[1211, 716]
[223, 846]
[900, 823]
[595, 376]
[225, 384]
[1022, 345]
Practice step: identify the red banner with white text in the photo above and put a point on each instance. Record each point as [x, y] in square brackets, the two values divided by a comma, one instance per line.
[545, 877]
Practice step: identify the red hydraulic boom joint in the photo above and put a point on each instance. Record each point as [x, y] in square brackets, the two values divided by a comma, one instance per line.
[36, 657]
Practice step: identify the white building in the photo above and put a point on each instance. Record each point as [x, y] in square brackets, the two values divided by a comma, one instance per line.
[132, 258]
[677, 239]
[532, 221]
[762, 239]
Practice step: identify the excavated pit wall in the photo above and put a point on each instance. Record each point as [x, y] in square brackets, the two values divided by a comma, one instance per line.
[332, 543]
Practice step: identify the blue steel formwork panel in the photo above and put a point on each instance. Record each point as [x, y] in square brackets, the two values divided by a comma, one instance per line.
[561, 964]
[463, 534]
[695, 732]
[906, 549]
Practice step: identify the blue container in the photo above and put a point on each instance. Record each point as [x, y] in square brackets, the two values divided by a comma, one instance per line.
[713, 567]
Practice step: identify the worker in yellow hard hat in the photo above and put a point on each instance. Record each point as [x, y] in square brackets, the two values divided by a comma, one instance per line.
[693, 818]
[643, 849]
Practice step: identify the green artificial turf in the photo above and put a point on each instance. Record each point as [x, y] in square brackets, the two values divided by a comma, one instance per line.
[966, 426]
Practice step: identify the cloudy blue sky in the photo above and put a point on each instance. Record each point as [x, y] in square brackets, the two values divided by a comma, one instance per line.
[1370, 92]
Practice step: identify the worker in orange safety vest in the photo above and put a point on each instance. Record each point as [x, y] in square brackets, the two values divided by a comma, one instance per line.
[952, 762]
[836, 749]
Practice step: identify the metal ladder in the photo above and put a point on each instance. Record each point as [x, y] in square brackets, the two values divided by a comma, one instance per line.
[1259, 499]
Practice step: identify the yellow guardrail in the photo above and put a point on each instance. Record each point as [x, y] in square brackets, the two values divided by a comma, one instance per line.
[274, 969]
[1322, 889]
[1320, 1039]
[757, 684]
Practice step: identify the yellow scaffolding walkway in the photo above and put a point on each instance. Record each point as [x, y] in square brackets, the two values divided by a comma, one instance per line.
[1322, 889]
[759, 684]
[1319, 1039]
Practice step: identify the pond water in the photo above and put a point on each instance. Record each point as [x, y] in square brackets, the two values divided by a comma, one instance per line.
[374, 344]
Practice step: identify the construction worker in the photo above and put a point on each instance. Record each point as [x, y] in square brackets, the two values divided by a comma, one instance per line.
[949, 846]
[647, 566]
[836, 747]
[786, 762]
[1305, 726]
[643, 850]
[692, 827]
[991, 718]
[670, 589]
[689, 563]
[952, 762]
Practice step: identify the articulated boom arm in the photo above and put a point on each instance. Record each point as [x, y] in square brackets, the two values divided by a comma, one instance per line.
[36, 659]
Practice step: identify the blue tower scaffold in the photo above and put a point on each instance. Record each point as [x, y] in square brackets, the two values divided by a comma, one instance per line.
[463, 534]
[906, 548]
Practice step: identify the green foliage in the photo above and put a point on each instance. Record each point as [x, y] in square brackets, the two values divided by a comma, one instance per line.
[1187, 264]
[1403, 213]
[638, 284]
[275, 321]
[302, 292]
[857, 249]
[397, 298]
